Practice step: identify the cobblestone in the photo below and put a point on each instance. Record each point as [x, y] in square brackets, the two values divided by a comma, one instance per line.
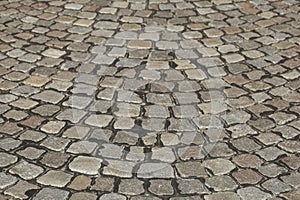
[20, 189]
[221, 183]
[26, 170]
[55, 178]
[7, 180]
[50, 193]
[250, 193]
[161, 187]
[7, 159]
[77, 165]
[187, 186]
[160, 99]
[151, 170]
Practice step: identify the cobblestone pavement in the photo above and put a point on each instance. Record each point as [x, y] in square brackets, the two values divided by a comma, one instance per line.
[149, 99]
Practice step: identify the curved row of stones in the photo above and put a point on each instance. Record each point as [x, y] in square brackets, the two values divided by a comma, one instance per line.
[149, 99]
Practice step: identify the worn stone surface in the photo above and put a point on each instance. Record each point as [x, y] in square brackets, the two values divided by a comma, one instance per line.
[85, 165]
[51, 193]
[26, 170]
[149, 99]
[55, 178]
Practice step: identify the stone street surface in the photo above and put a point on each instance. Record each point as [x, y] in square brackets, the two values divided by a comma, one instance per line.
[150, 99]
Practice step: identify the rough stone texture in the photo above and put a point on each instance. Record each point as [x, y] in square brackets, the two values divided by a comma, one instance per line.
[219, 166]
[85, 165]
[51, 193]
[55, 178]
[7, 180]
[156, 170]
[7, 159]
[149, 99]
[251, 193]
[161, 187]
[26, 170]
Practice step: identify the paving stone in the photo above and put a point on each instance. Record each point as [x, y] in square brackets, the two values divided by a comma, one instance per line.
[153, 124]
[271, 170]
[55, 143]
[270, 153]
[100, 135]
[83, 195]
[79, 102]
[289, 146]
[55, 178]
[98, 120]
[73, 115]
[191, 152]
[292, 179]
[31, 153]
[131, 187]
[282, 118]
[235, 117]
[164, 154]
[26, 170]
[111, 151]
[36, 81]
[169, 139]
[292, 195]
[49, 96]
[247, 176]
[126, 137]
[46, 110]
[286, 131]
[6, 98]
[205, 89]
[219, 150]
[103, 184]
[240, 130]
[191, 169]
[20, 189]
[222, 195]
[54, 159]
[247, 160]
[292, 161]
[15, 115]
[7, 159]
[245, 144]
[50, 193]
[262, 124]
[233, 58]
[53, 127]
[76, 132]
[119, 168]
[7, 180]
[85, 165]
[193, 197]
[276, 186]
[161, 187]
[136, 154]
[250, 193]
[112, 196]
[80, 182]
[221, 183]
[53, 53]
[82, 147]
[10, 128]
[59, 85]
[191, 186]
[155, 170]
[9, 143]
[219, 166]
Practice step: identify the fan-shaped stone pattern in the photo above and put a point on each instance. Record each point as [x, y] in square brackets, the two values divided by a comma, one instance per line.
[149, 99]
